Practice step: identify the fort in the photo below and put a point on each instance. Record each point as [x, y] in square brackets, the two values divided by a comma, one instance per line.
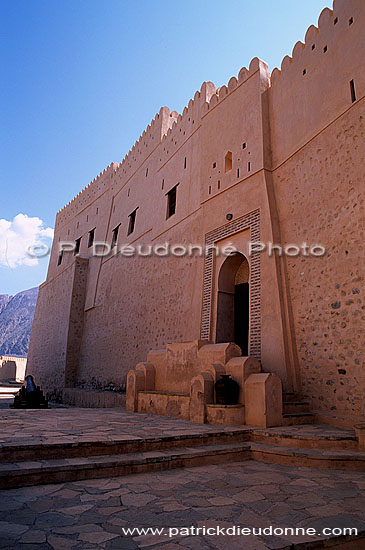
[267, 158]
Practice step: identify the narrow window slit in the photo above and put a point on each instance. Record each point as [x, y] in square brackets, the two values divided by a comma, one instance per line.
[77, 246]
[132, 221]
[91, 237]
[352, 90]
[171, 202]
[115, 236]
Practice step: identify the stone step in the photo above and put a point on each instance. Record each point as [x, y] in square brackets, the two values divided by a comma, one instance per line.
[29, 473]
[290, 407]
[129, 444]
[291, 419]
[290, 396]
[312, 458]
[316, 440]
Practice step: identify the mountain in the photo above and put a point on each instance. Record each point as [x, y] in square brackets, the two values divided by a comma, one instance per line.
[16, 317]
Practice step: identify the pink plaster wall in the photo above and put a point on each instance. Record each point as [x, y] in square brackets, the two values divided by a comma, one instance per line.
[304, 143]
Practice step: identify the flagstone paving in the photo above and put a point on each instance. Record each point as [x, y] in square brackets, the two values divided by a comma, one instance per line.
[69, 425]
[91, 514]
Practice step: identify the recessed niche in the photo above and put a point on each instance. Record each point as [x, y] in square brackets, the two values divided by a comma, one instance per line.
[228, 161]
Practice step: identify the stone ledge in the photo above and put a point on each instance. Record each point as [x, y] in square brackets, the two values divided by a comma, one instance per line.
[92, 398]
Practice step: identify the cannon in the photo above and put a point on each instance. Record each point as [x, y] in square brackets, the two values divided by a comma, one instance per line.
[29, 396]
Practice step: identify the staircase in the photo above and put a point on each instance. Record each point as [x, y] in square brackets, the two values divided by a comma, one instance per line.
[311, 446]
[296, 410]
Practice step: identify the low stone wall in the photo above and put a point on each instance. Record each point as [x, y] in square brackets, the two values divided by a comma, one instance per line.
[92, 399]
[227, 415]
[12, 368]
[166, 404]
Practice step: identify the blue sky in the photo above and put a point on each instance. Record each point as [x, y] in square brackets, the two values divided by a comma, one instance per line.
[83, 78]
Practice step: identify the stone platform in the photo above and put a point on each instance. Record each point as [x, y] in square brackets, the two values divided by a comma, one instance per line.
[69, 444]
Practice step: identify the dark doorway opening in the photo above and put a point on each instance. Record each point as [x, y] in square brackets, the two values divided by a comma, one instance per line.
[233, 302]
[241, 316]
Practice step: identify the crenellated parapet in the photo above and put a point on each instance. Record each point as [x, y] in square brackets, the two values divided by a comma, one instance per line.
[244, 74]
[148, 141]
[317, 41]
[318, 81]
[169, 130]
[87, 195]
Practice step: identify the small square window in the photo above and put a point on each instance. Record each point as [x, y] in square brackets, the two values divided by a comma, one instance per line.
[171, 202]
[91, 237]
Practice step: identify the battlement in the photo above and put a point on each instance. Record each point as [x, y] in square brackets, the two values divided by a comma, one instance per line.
[317, 39]
[86, 195]
[244, 74]
[171, 129]
[318, 81]
[147, 142]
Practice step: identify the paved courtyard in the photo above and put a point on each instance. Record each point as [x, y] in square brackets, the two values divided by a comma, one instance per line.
[71, 424]
[92, 514]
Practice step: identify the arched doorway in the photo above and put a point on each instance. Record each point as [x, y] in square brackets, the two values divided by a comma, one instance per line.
[233, 302]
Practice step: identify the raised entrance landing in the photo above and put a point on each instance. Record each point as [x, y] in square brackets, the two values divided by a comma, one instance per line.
[179, 381]
[60, 445]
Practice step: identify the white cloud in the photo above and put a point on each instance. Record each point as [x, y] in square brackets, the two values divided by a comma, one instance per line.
[18, 235]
